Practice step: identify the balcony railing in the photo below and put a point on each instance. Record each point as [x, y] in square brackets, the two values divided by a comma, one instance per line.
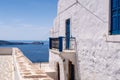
[60, 43]
[54, 43]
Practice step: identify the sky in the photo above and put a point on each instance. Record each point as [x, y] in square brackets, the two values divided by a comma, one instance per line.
[26, 19]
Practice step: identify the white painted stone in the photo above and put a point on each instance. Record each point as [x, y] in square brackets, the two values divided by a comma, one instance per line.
[97, 58]
[56, 59]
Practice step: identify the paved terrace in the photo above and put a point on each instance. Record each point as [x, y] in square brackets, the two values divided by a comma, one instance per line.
[6, 65]
[15, 66]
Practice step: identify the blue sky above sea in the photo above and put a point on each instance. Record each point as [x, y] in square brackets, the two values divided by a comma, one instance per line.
[26, 19]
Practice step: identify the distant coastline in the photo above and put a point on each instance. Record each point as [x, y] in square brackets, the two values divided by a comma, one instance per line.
[4, 42]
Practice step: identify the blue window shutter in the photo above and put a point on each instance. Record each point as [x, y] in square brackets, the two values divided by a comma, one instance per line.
[115, 16]
[119, 22]
[114, 4]
[50, 43]
[60, 44]
[114, 26]
[119, 2]
[68, 34]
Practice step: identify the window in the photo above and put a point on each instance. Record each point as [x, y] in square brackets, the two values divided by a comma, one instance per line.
[115, 17]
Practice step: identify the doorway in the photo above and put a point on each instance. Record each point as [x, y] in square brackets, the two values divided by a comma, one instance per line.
[58, 71]
[71, 71]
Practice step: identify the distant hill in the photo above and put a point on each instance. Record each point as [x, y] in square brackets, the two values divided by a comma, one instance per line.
[3, 42]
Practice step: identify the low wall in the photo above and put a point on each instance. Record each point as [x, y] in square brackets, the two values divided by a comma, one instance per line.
[5, 51]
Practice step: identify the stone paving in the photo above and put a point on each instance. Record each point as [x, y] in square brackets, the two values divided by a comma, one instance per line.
[6, 67]
[27, 70]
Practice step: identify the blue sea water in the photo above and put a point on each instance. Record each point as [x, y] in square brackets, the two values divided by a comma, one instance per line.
[35, 53]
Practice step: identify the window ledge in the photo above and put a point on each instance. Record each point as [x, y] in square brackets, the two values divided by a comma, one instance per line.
[113, 38]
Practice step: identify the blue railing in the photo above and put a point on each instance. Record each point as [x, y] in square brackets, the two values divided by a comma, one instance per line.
[60, 43]
[56, 43]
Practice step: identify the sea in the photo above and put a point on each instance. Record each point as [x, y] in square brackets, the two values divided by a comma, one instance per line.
[35, 53]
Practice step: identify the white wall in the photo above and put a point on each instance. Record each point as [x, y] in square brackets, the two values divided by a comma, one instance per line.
[97, 58]
[57, 59]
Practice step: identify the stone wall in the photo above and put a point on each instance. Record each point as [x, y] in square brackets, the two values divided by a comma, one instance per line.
[98, 59]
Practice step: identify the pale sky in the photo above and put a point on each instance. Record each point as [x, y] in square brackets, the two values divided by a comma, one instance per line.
[26, 19]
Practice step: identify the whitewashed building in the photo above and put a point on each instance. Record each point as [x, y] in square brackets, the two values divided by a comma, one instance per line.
[85, 40]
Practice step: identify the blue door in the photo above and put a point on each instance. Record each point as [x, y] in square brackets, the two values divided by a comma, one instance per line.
[67, 34]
